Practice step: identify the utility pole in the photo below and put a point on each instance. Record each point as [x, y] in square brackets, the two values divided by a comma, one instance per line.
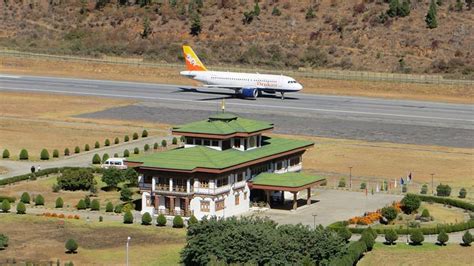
[350, 177]
[314, 221]
[432, 184]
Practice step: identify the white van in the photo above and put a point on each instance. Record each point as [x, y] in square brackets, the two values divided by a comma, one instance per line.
[118, 163]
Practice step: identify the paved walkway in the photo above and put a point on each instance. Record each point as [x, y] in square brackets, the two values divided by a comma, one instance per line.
[82, 159]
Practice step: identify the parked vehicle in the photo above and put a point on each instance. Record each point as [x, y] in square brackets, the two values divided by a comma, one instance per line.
[118, 163]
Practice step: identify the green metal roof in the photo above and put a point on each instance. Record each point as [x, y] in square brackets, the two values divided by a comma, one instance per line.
[201, 156]
[294, 179]
[224, 124]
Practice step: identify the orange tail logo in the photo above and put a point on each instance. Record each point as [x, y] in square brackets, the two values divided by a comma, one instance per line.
[192, 61]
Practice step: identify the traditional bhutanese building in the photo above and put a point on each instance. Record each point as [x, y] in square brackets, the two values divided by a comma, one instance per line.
[223, 158]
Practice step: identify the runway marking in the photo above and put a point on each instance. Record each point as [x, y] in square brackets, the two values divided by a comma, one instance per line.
[9, 76]
[239, 104]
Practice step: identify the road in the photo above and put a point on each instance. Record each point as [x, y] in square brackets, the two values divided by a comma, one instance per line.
[373, 119]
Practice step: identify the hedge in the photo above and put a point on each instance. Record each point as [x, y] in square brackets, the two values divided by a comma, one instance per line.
[42, 172]
[354, 252]
[448, 201]
[10, 199]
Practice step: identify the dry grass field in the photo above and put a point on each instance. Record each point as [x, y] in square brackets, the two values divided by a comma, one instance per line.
[42, 239]
[427, 254]
[425, 92]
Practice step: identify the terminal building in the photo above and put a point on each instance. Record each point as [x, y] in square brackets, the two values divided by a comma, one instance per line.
[226, 160]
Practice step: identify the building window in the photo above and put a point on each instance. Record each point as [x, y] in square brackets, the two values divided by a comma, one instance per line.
[222, 181]
[215, 143]
[294, 161]
[236, 143]
[240, 177]
[147, 179]
[189, 141]
[205, 205]
[207, 142]
[237, 199]
[260, 169]
[252, 142]
[204, 183]
[279, 165]
[198, 141]
[226, 144]
[219, 205]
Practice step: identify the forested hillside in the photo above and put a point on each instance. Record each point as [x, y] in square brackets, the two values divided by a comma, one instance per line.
[411, 36]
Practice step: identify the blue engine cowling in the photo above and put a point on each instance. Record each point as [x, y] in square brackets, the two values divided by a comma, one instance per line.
[249, 92]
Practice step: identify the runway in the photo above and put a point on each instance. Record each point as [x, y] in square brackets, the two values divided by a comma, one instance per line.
[400, 121]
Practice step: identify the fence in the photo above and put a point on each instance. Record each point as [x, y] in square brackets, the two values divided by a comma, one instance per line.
[319, 74]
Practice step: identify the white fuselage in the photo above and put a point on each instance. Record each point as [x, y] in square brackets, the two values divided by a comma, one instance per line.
[238, 81]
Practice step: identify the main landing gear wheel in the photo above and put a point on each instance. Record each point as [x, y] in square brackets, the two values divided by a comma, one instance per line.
[282, 95]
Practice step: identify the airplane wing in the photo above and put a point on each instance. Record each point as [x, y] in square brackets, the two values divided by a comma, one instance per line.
[233, 87]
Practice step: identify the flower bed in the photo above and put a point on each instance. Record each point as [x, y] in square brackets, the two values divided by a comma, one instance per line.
[60, 216]
[372, 217]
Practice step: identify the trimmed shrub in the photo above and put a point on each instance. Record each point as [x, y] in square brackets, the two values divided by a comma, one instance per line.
[56, 188]
[425, 213]
[6, 154]
[101, 219]
[467, 238]
[23, 154]
[3, 241]
[342, 183]
[126, 153]
[135, 136]
[118, 208]
[77, 178]
[55, 153]
[146, 218]
[144, 133]
[136, 151]
[96, 159]
[126, 194]
[25, 198]
[174, 141]
[192, 220]
[368, 238]
[390, 213]
[95, 205]
[116, 155]
[59, 202]
[178, 222]
[163, 143]
[97, 145]
[20, 208]
[44, 155]
[128, 218]
[71, 246]
[126, 138]
[443, 238]
[161, 220]
[182, 138]
[443, 190]
[77, 149]
[344, 233]
[5, 205]
[109, 207]
[39, 200]
[155, 146]
[391, 236]
[81, 205]
[146, 147]
[105, 156]
[404, 188]
[410, 203]
[87, 147]
[363, 185]
[87, 201]
[107, 142]
[116, 140]
[424, 189]
[416, 237]
[462, 193]
[66, 152]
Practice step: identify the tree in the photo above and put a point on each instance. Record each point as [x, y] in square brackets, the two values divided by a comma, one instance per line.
[87, 201]
[131, 176]
[344, 233]
[55, 153]
[116, 155]
[443, 190]
[196, 26]
[126, 194]
[462, 193]
[109, 207]
[87, 147]
[393, 7]
[71, 246]
[424, 189]
[96, 159]
[178, 222]
[66, 152]
[147, 29]
[77, 149]
[155, 146]
[128, 218]
[430, 19]
[248, 17]
[146, 147]
[425, 213]
[161, 220]
[95, 205]
[163, 143]
[135, 135]
[25, 198]
[6, 154]
[363, 185]
[391, 236]
[97, 145]
[44, 155]
[39, 200]
[192, 220]
[459, 5]
[116, 140]
[3, 241]
[23, 154]
[390, 213]
[144, 133]
[76, 179]
[112, 177]
[105, 157]
[443, 238]
[276, 11]
[404, 9]
[81, 205]
[256, 9]
[146, 219]
[136, 150]
[126, 138]
[417, 237]
[342, 183]
[107, 142]
[467, 238]
[20, 208]
[410, 203]
[126, 153]
[118, 208]
[59, 202]
[174, 141]
[5, 205]
[310, 13]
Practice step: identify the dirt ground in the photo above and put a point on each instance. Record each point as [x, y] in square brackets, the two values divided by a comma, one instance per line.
[42, 239]
[427, 254]
[425, 92]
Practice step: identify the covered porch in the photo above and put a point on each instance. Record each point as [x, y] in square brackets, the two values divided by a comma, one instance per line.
[291, 183]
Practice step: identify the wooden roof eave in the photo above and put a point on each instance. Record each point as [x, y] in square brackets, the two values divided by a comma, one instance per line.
[220, 136]
[285, 188]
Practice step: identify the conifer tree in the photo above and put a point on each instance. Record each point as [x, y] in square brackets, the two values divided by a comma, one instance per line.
[196, 25]
[430, 19]
[404, 9]
[393, 8]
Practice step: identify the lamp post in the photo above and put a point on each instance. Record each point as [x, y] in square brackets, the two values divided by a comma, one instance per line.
[350, 177]
[314, 221]
[128, 243]
[408, 242]
[432, 184]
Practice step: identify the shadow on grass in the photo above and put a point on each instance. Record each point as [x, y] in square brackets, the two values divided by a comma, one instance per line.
[110, 189]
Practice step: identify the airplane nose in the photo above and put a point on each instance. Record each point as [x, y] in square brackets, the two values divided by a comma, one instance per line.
[299, 86]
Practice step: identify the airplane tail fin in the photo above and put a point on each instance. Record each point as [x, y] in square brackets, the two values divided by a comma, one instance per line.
[192, 61]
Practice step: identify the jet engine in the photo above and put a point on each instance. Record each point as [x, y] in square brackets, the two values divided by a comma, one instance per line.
[249, 93]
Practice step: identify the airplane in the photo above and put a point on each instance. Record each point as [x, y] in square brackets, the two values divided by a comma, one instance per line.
[246, 85]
